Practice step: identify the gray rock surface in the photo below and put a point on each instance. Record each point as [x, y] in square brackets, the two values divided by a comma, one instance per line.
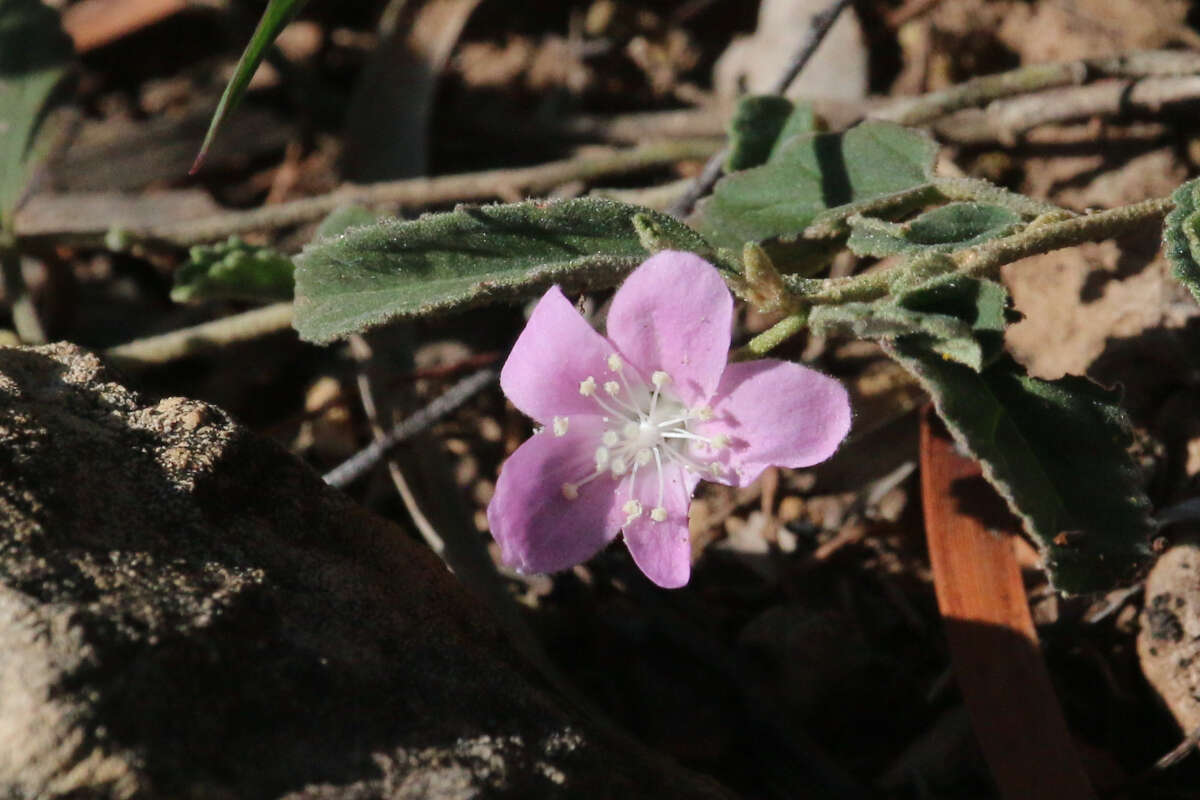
[187, 611]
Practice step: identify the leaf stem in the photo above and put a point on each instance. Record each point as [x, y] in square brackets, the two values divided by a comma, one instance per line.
[985, 260]
[771, 338]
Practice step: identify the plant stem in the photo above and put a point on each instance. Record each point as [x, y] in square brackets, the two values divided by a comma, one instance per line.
[1033, 78]
[201, 338]
[24, 314]
[771, 338]
[985, 260]
[415, 193]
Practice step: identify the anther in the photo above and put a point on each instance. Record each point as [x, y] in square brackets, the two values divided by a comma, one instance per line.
[587, 387]
[619, 466]
[570, 491]
[658, 514]
[560, 426]
[610, 438]
[633, 510]
[612, 387]
[660, 378]
[704, 413]
[643, 457]
[601, 457]
[720, 441]
[614, 363]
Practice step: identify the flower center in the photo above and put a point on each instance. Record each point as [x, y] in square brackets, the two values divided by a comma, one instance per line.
[645, 427]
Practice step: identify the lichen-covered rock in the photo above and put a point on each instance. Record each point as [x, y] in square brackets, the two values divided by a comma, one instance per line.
[187, 611]
[1169, 641]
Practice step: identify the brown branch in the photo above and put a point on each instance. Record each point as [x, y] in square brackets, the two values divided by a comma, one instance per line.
[410, 193]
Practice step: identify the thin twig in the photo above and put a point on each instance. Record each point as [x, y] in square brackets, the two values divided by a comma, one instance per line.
[361, 352]
[362, 461]
[204, 337]
[410, 193]
[712, 171]
[1036, 77]
[1180, 752]
[1003, 120]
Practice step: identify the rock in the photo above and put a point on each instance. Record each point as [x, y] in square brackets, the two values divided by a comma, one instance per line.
[752, 64]
[1169, 641]
[188, 611]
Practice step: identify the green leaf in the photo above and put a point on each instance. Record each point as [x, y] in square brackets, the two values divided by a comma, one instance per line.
[760, 124]
[34, 57]
[343, 219]
[811, 174]
[950, 227]
[1181, 236]
[233, 270]
[275, 18]
[473, 255]
[957, 317]
[1057, 451]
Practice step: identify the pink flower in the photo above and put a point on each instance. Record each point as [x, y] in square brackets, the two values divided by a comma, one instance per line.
[632, 422]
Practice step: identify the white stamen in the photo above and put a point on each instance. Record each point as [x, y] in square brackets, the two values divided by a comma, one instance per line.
[645, 426]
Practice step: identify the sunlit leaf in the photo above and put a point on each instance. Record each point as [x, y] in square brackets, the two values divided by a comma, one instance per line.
[444, 262]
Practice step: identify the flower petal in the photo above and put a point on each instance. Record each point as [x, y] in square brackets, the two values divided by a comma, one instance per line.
[776, 413]
[537, 527]
[662, 550]
[556, 351]
[673, 313]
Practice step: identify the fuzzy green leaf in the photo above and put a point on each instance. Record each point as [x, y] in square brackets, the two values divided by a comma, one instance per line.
[1181, 236]
[343, 219]
[811, 174]
[1057, 451]
[35, 55]
[275, 18]
[473, 255]
[959, 318]
[233, 270]
[760, 125]
[950, 227]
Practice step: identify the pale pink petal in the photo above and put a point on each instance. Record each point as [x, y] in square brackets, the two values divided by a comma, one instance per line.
[662, 550]
[775, 413]
[556, 351]
[673, 313]
[537, 527]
